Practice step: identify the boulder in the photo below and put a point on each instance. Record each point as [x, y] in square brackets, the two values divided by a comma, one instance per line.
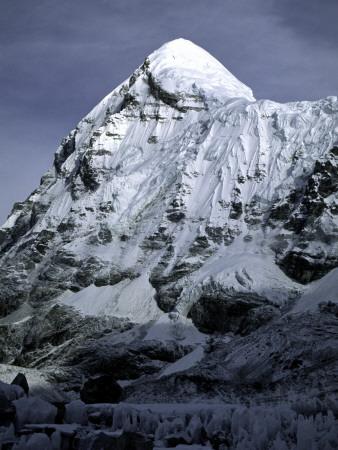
[21, 380]
[103, 389]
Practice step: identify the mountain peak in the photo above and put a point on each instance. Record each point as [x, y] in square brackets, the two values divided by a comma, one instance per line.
[172, 213]
[182, 66]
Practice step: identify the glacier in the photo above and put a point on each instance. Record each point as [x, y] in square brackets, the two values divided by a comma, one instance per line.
[186, 240]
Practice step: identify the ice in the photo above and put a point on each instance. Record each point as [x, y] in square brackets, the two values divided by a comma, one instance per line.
[39, 441]
[278, 444]
[124, 418]
[174, 326]
[76, 413]
[164, 429]
[194, 429]
[188, 447]
[130, 299]
[33, 410]
[7, 434]
[12, 392]
[21, 445]
[181, 65]
[56, 440]
[306, 433]
[255, 427]
[321, 291]
[65, 429]
[276, 426]
[185, 363]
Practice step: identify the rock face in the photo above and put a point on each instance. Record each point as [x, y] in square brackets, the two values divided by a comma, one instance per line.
[179, 199]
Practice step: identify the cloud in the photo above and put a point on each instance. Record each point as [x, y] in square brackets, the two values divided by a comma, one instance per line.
[310, 20]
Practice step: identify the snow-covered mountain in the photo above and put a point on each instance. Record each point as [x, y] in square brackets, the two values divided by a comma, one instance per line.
[178, 209]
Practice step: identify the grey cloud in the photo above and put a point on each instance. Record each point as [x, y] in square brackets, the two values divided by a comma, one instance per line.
[315, 21]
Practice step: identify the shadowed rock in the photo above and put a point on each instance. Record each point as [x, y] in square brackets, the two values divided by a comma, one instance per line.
[103, 389]
[126, 441]
[21, 380]
[7, 410]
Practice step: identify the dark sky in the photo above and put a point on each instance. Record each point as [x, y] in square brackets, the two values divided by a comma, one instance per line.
[59, 58]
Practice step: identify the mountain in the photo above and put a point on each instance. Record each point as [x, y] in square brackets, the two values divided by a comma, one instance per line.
[185, 241]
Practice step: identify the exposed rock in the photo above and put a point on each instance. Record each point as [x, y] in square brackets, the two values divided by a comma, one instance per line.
[294, 353]
[256, 317]
[103, 389]
[236, 210]
[306, 213]
[176, 216]
[21, 381]
[127, 362]
[221, 312]
[61, 412]
[64, 151]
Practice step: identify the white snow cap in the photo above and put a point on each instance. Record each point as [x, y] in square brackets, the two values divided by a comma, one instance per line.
[181, 66]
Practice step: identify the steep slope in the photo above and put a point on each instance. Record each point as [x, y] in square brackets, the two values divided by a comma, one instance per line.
[178, 199]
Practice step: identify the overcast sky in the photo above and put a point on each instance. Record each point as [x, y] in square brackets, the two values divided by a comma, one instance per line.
[58, 58]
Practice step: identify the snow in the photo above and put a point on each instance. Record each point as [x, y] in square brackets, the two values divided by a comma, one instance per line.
[21, 315]
[182, 66]
[40, 382]
[130, 299]
[173, 326]
[188, 361]
[242, 272]
[324, 290]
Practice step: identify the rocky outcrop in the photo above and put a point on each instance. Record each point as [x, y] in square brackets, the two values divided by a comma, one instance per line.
[223, 313]
[308, 215]
[21, 380]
